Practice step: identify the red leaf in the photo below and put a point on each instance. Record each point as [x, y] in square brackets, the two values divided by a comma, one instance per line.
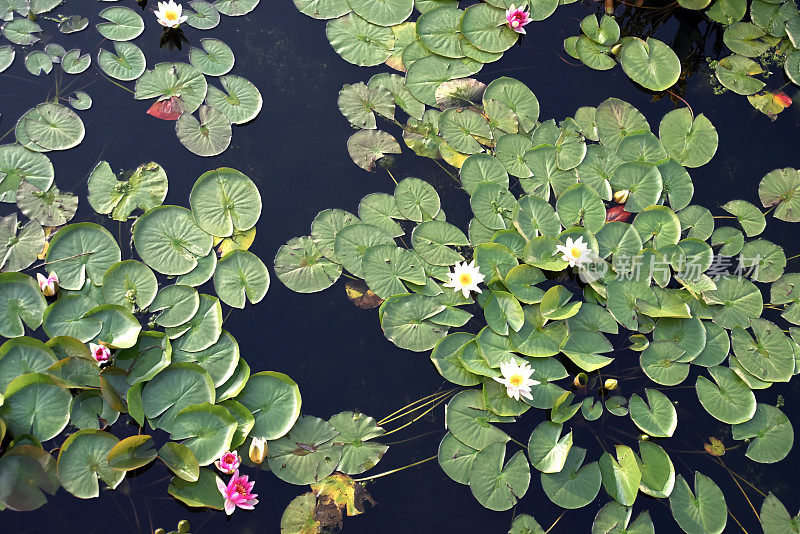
[782, 99]
[168, 110]
[617, 213]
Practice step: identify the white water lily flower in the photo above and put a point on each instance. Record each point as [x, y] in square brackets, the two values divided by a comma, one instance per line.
[517, 379]
[465, 278]
[170, 14]
[575, 252]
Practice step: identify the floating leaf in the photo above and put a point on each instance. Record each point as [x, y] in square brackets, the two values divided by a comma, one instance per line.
[703, 511]
[358, 41]
[574, 486]
[166, 80]
[302, 267]
[771, 433]
[124, 24]
[168, 240]
[241, 274]
[240, 101]
[367, 147]
[145, 188]
[34, 404]
[20, 31]
[203, 17]
[127, 62]
[215, 59]
[208, 136]
[53, 127]
[307, 454]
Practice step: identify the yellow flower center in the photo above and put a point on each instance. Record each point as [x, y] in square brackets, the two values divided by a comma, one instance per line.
[576, 252]
[171, 15]
[515, 380]
[465, 279]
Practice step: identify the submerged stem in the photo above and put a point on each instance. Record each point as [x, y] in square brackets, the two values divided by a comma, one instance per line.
[420, 416]
[391, 176]
[556, 521]
[407, 408]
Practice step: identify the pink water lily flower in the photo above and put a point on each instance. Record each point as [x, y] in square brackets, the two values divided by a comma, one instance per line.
[48, 285]
[100, 353]
[228, 462]
[516, 18]
[237, 493]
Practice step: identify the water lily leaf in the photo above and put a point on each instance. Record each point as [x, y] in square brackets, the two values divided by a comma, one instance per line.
[792, 67]
[689, 334]
[132, 453]
[203, 16]
[406, 322]
[53, 127]
[215, 59]
[617, 119]
[150, 356]
[737, 73]
[386, 267]
[166, 80]
[497, 486]
[460, 127]
[18, 250]
[179, 304]
[729, 400]
[460, 93]
[352, 241]
[359, 103]
[168, 240]
[225, 200]
[173, 389]
[740, 301]
[547, 448]
[65, 317]
[73, 24]
[778, 188]
[659, 419]
[746, 39]
[775, 518]
[302, 267]
[614, 518]
[580, 205]
[181, 461]
[202, 330]
[621, 476]
[764, 261]
[427, 73]
[126, 63]
[203, 491]
[220, 359]
[20, 301]
[119, 328]
[34, 404]
[661, 362]
[402, 97]
[749, 216]
[208, 136]
[445, 356]
[23, 355]
[605, 32]
[439, 30]
[358, 453]
[300, 515]
[145, 188]
[691, 141]
[235, 8]
[358, 41]
[50, 208]
[485, 27]
[18, 164]
[131, 284]
[594, 55]
[518, 97]
[432, 239]
[307, 454]
[455, 458]
[207, 430]
[323, 9]
[574, 486]
[240, 102]
[124, 24]
[658, 472]
[367, 147]
[81, 101]
[652, 64]
[20, 31]
[37, 62]
[470, 422]
[27, 473]
[82, 462]
[241, 274]
[771, 433]
[274, 399]
[703, 511]
[480, 168]
[769, 356]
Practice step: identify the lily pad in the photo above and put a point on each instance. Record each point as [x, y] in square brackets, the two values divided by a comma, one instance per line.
[82, 462]
[34, 404]
[703, 511]
[358, 41]
[307, 454]
[208, 136]
[729, 400]
[691, 141]
[53, 127]
[81, 250]
[241, 275]
[126, 63]
[169, 241]
[497, 486]
[659, 419]
[167, 80]
[575, 485]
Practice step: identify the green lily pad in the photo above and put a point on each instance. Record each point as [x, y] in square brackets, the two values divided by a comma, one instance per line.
[469, 421]
[740, 301]
[659, 419]
[129, 283]
[173, 389]
[749, 216]
[38, 62]
[34, 404]
[82, 462]
[307, 454]
[615, 518]
[691, 141]
[123, 24]
[746, 39]
[621, 476]
[203, 491]
[169, 241]
[358, 453]
[208, 136]
[497, 486]
[455, 458]
[439, 30]
[29, 473]
[703, 511]
[19, 249]
[580, 205]
[367, 147]
[771, 434]
[145, 188]
[769, 356]
[775, 518]
[21, 31]
[427, 73]
[358, 41]
[779, 188]
[547, 448]
[575, 485]
[53, 127]
[166, 80]
[215, 59]
[235, 8]
[274, 399]
[18, 164]
[207, 430]
[202, 16]
[181, 461]
[658, 472]
[241, 275]
[126, 63]
[485, 27]
[729, 400]
[406, 322]
[240, 101]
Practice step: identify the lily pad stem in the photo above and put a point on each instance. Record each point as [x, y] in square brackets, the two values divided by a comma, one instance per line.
[556, 521]
[391, 176]
[684, 101]
[417, 418]
[394, 470]
[453, 176]
[793, 257]
[115, 83]
[407, 408]
[56, 261]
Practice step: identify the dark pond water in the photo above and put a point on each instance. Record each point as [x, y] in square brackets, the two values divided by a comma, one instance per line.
[295, 151]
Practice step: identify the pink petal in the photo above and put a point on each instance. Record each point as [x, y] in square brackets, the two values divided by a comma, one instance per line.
[221, 486]
[229, 507]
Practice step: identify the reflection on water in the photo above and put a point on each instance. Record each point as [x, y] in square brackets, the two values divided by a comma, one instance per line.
[295, 151]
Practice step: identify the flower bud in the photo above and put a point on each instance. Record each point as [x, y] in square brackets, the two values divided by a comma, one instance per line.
[620, 197]
[610, 384]
[258, 450]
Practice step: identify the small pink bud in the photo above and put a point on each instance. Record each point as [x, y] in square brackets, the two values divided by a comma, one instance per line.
[100, 353]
